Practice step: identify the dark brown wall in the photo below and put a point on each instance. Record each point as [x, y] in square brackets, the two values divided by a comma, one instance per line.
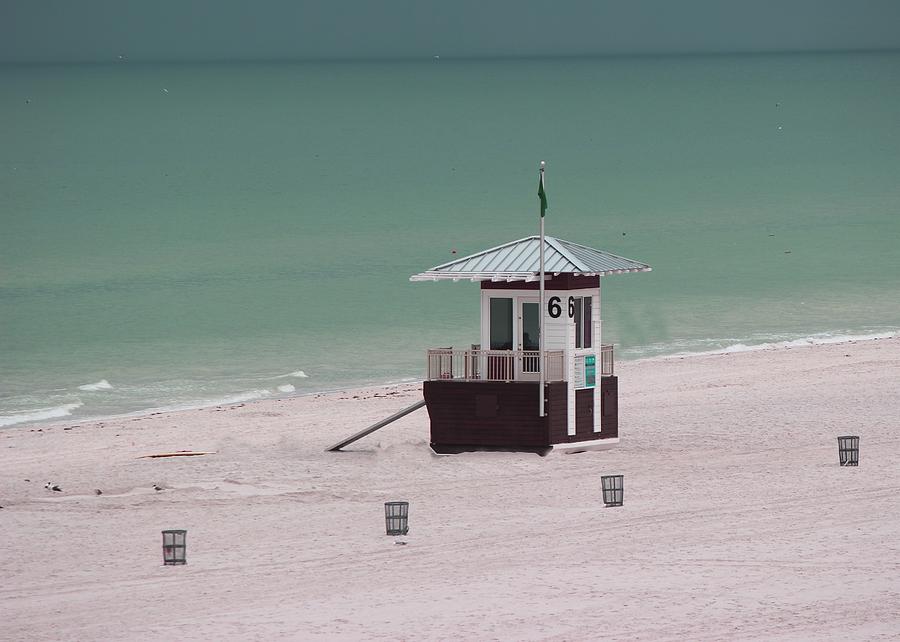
[584, 415]
[584, 419]
[609, 407]
[497, 414]
[558, 396]
[482, 414]
[561, 282]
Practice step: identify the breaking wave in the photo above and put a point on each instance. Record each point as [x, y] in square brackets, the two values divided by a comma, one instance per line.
[297, 374]
[747, 346]
[103, 384]
[237, 398]
[39, 414]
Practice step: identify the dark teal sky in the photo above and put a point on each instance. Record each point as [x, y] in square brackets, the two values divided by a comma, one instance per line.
[101, 30]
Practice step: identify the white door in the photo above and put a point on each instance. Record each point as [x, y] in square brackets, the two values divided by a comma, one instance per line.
[528, 340]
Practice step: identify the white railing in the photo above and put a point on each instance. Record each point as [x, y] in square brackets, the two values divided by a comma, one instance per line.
[606, 360]
[505, 365]
[494, 365]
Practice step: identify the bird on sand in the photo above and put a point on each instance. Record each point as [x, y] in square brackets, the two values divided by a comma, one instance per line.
[52, 486]
[157, 487]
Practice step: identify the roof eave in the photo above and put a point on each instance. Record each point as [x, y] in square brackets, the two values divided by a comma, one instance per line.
[439, 275]
[435, 275]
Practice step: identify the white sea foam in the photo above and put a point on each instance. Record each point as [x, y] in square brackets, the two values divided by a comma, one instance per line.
[402, 380]
[103, 384]
[39, 414]
[813, 340]
[299, 374]
[199, 404]
[287, 388]
[250, 395]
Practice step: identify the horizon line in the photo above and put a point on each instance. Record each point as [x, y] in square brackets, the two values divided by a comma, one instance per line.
[449, 58]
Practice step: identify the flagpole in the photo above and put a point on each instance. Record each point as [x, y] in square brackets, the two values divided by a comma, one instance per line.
[541, 306]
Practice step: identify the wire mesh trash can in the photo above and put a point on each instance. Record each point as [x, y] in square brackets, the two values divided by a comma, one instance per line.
[174, 547]
[396, 517]
[848, 450]
[613, 489]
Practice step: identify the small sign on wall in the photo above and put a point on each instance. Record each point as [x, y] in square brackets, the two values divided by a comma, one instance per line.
[585, 371]
[579, 372]
[590, 371]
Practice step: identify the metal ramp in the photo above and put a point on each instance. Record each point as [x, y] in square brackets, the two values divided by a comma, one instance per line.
[374, 427]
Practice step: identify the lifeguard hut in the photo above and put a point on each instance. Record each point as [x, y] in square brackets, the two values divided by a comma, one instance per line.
[488, 396]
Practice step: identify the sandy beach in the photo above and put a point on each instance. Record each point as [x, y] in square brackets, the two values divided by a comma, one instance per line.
[738, 522]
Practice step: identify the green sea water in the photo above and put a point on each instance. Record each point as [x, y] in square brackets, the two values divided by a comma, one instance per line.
[178, 235]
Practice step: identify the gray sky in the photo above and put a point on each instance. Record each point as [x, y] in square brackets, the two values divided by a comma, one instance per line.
[101, 30]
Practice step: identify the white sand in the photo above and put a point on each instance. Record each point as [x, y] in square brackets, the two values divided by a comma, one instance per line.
[737, 524]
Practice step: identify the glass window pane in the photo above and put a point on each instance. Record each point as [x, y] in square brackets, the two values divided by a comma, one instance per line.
[531, 339]
[578, 322]
[588, 324]
[501, 324]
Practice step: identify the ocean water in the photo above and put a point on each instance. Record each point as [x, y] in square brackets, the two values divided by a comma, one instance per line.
[179, 235]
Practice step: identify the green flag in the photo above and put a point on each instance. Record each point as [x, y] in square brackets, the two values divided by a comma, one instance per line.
[542, 195]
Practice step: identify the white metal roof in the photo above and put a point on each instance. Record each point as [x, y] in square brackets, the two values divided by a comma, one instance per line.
[520, 261]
